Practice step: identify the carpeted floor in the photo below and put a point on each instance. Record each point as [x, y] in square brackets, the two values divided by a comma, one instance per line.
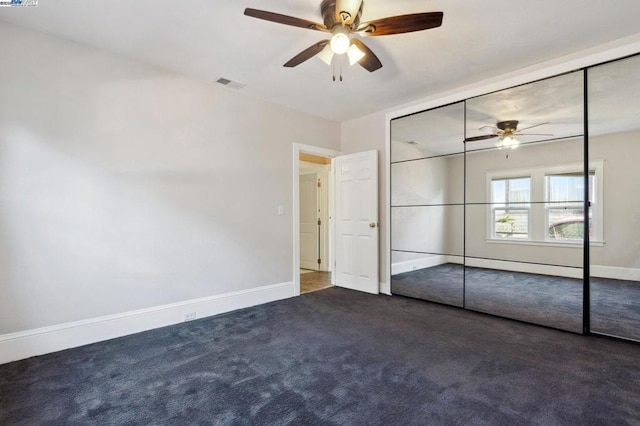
[443, 284]
[615, 307]
[332, 357]
[539, 299]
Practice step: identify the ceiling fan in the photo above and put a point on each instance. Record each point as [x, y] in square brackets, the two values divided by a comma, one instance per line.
[341, 19]
[505, 131]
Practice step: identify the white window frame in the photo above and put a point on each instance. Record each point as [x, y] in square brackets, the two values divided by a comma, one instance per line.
[538, 218]
[520, 206]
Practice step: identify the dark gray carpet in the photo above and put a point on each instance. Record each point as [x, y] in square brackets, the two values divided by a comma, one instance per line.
[539, 299]
[443, 284]
[332, 357]
[615, 307]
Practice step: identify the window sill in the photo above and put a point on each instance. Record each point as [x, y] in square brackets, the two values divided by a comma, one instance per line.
[566, 244]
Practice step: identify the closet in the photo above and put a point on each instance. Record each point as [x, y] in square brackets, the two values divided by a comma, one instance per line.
[523, 203]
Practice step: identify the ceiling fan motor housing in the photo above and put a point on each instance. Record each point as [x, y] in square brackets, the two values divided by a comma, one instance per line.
[508, 125]
[328, 10]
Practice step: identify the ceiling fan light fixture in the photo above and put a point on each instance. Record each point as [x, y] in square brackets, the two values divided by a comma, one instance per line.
[326, 55]
[507, 142]
[341, 18]
[340, 42]
[354, 54]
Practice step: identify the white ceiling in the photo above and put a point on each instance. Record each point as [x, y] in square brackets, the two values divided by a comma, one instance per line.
[208, 39]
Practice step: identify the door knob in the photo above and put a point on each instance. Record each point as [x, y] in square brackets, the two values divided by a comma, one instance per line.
[372, 225]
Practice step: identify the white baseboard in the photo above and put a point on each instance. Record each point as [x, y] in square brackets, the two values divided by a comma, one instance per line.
[422, 263]
[557, 271]
[25, 344]
[613, 272]
[616, 273]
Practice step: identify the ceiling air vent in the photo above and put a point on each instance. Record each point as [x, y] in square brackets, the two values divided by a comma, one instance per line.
[230, 83]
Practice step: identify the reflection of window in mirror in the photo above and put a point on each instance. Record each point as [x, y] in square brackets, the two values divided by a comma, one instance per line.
[545, 205]
[510, 199]
[565, 205]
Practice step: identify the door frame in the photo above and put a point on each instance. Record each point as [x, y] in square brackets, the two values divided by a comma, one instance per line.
[323, 152]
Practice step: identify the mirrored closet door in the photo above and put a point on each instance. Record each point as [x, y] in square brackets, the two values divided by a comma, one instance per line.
[525, 202]
[427, 205]
[614, 143]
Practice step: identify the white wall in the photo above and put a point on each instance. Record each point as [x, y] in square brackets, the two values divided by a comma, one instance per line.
[123, 186]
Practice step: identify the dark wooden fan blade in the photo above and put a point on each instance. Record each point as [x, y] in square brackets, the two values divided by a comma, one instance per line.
[370, 61]
[532, 134]
[284, 19]
[306, 54]
[401, 24]
[481, 138]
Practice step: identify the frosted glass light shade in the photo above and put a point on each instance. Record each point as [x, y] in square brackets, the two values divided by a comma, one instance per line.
[340, 43]
[354, 54]
[507, 142]
[326, 55]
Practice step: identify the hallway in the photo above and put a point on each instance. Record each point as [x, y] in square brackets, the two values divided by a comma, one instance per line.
[314, 281]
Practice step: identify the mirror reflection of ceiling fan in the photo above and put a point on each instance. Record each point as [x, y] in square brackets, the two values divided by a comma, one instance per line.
[506, 131]
[341, 19]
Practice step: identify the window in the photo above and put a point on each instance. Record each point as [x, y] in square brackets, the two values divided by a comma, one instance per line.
[565, 205]
[510, 207]
[545, 205]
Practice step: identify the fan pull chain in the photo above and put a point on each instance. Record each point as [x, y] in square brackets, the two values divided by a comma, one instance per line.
[333, 66]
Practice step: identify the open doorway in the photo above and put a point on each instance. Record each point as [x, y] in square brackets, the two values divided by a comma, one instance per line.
[315, 265]
[313, 224]
[353, 218]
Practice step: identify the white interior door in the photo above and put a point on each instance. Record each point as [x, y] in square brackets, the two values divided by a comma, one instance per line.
[356, 177]
[309, 221]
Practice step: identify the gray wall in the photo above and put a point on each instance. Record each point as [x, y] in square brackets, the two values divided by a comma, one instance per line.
[123, 186]
[621, 152]
[431, 184]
